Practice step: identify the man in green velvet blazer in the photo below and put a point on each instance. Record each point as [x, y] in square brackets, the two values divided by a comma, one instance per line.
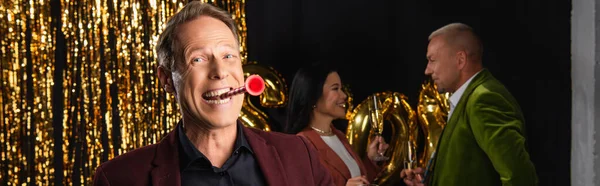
[483, 143]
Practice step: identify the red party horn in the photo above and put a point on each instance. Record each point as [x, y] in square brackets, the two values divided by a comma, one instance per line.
[254, 85]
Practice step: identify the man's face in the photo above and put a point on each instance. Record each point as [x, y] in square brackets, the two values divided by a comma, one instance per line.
[442, 65]
[210, 66]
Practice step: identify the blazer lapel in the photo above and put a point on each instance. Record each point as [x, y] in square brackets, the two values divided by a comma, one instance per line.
[330, 157]
[166, 162]
[267, 157]
[460, 109]
[342, 137]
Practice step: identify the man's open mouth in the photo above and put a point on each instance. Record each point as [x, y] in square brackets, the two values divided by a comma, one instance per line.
[213, 96]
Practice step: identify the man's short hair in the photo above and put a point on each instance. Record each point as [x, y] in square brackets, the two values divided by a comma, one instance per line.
[167, 45]
[460, 36]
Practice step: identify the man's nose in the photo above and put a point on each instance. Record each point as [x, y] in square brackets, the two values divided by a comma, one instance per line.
[217, 71]
[428, 71]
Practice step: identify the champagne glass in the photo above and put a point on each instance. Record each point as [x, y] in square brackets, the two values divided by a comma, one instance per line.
[410, 162]
[377, 122]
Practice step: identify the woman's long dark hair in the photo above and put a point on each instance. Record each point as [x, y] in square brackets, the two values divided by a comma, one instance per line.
[306, 89]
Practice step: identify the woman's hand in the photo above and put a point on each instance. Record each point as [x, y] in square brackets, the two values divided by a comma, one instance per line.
[412, 177]
[377, 147]
[357, 181]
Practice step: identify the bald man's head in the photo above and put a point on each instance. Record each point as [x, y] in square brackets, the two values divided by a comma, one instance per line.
[453, 56]
[460, 37]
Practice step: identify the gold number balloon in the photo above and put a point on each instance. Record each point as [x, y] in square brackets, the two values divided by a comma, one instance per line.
[274, 96]
[433, 111]
[275, 93]
[403, 120]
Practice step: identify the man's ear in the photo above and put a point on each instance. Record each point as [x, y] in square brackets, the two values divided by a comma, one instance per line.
[166, 79]
[461, 57]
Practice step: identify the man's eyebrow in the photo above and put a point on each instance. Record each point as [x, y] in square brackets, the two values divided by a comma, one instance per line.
[228, 46]
[192, 50]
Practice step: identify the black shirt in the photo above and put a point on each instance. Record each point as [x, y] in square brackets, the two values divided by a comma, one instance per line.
[240, 169]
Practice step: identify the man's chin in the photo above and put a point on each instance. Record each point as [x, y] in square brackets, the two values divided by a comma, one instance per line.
[441, 90]
[223, 123]
[213, 122]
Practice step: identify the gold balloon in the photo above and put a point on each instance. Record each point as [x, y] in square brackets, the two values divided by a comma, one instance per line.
[274, 96]
[275, 93]
[349, 101]
[402, 118]
[433, 111]
[253, 117]
[359, 128]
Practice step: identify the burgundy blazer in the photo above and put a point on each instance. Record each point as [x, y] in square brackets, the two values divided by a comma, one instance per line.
[338, 169]
[284, 160]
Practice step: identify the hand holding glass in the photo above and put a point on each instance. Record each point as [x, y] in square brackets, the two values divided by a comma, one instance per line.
[377, 122]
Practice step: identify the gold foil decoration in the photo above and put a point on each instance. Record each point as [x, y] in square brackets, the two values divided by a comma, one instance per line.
[112, 42]
[274, 96]
[108, 78]
[433, 111]
[402, 118]
[26, 75]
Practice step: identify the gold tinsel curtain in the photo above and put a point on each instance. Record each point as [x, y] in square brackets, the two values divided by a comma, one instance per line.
[78, 84]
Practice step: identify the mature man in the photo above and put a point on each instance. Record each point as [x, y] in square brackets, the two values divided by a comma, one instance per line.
[483, 142]
[199, 59]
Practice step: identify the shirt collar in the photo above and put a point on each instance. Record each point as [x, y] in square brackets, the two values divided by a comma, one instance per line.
[191, 153]
[455, 97]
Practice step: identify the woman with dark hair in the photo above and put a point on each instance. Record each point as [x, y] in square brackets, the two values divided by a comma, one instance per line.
[316, 99]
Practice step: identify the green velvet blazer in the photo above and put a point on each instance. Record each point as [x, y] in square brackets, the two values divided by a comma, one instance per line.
[483, 143]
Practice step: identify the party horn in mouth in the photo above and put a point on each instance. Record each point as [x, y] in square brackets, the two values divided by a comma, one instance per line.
[254, 85]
